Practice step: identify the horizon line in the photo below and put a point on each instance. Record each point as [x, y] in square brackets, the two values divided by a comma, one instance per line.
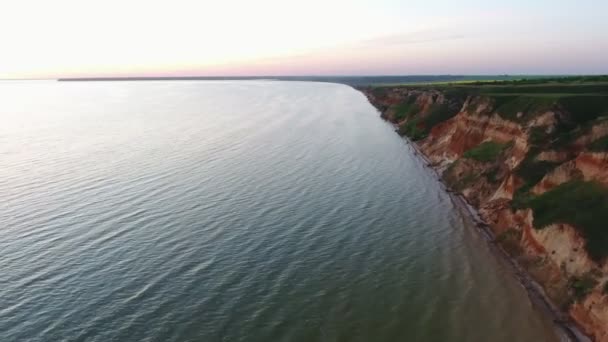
[152, 77]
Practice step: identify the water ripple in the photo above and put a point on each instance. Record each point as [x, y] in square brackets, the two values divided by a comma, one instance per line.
[233, 211]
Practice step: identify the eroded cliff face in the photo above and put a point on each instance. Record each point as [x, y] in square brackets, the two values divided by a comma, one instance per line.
[499, 160]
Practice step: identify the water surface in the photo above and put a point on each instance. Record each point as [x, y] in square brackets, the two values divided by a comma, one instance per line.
[233, 211]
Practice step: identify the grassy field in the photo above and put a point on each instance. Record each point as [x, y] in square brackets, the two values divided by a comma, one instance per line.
[466, 80]
[524, 86]
[509, 82]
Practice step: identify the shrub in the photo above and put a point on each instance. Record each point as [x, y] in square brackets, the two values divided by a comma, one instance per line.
[581, 286]
[508, 106]
[438, 113]
[485, 152]
[412, 130]
[418, 127]
[600, 144]
[521, 198]
[379, 91]
[492, 174]
[582, 204]
[531, 171]
[405, 110]
[585, 108]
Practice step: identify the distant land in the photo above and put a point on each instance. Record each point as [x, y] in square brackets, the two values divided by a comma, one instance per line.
[348, 80]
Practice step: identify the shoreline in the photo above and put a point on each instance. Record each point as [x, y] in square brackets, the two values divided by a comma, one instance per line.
[565, 328]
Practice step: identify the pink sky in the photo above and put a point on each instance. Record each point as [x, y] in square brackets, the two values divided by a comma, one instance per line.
[67, 38]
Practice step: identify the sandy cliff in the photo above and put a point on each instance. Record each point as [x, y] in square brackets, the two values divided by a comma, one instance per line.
[518, 162]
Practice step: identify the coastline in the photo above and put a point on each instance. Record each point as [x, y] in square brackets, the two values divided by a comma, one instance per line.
[565, 328]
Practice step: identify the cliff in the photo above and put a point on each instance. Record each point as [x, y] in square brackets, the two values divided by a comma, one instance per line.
[534, 162]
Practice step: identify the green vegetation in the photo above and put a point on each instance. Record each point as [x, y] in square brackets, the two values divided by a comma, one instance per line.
[521, 198]
[539, 80]
[492, 175]
[541, 89]
[599, 145]
[485, 152]
[566, 79]
[515, 80]
[438, 113]
[584, 97]
[406, 109]
[536, 85]
[412, 130]
[585, 108]
[508, 106]
[379, 91]
[581, 286]
[464, 182]
[544, 90]
[531, 171]
[417, 128]
[455, 182]
[581, 204]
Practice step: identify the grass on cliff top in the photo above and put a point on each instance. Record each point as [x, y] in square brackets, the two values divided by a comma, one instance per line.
[485, 152]
[582, 204]
[543, 89]
[509, 106]
[511, 80]
[585, 108]
[520, 84]
[582, 107]
[582, 79]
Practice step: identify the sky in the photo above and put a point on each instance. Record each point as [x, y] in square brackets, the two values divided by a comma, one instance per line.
[86, 38]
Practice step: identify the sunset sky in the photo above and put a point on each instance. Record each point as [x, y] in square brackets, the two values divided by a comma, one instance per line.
[46, 39]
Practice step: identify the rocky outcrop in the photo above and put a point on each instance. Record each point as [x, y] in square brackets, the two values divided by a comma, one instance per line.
[481, 152]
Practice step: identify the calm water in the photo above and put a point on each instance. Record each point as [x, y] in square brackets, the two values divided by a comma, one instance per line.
[233, 211]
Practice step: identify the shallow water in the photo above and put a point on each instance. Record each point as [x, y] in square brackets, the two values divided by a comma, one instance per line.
[233, 211]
